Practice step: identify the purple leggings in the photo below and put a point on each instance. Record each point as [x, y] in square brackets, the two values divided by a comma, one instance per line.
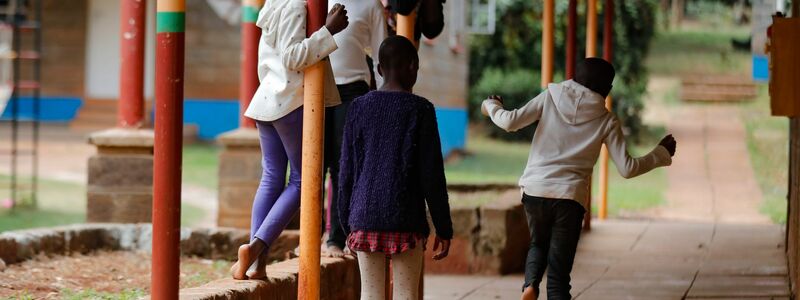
[276, 202]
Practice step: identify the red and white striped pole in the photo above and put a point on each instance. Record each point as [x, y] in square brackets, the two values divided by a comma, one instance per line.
[170, 23]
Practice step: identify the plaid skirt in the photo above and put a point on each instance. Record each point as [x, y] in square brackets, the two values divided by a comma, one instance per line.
[387, 242]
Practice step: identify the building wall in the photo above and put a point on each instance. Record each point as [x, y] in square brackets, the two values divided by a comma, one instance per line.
[81, 61]
[64, 47]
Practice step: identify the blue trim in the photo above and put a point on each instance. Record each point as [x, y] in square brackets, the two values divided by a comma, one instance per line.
[52, 109]
[452, 128]
[212, 116]
[760, 68]
[216, 116]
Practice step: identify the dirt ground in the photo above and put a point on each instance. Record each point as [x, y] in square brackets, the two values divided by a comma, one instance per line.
[101, 275]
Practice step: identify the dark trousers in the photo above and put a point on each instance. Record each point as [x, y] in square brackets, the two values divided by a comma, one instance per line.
[555, 227]
[335, 118]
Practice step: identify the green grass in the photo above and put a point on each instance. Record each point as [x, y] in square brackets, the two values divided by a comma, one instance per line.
[493, 161]
[635, 194]
[698, 51]
[490, 161]
[768, 142]
[200, 163]
[61, 203]
[130, 294]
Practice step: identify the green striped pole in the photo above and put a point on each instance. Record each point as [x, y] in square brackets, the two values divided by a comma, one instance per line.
[170, 25]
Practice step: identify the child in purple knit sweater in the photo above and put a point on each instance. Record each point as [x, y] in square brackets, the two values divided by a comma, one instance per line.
[391, 167]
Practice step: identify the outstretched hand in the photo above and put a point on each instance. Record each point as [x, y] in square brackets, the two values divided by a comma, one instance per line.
[669, 143]
[337, 19]
[445, 245]
[492, 97]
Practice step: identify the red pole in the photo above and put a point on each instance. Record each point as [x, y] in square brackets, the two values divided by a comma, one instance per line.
[572, 26]
[608, 31]
[167, 151]
[130, 107]
[248, 80]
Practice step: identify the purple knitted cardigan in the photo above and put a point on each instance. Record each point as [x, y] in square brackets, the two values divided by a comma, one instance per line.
[391, 166]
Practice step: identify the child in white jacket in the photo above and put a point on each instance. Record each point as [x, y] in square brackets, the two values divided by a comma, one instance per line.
[573, 124]
[284, 52]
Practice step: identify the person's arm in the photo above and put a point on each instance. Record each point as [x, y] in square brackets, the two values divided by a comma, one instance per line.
[627, 166]
[378, 33]
[298, 52]
[346, 172]
[513, 120]
[431, 173]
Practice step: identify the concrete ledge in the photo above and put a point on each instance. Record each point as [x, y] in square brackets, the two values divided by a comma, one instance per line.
[339, 280]
[210, 243]
[119, 137]
[492, 239]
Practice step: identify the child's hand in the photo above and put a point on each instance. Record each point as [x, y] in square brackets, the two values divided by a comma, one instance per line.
[492, 97]
[669, 143]
[337, 19]
[445, 248]
[496, 97]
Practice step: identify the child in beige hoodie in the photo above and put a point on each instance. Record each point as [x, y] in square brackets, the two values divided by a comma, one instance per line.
[573, 124]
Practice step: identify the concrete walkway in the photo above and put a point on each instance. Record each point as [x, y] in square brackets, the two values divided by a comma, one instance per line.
[655, 260]
[711, 178]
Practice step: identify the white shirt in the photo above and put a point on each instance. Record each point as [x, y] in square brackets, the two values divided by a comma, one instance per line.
[283, 53]
[573, 124]
[362, 37]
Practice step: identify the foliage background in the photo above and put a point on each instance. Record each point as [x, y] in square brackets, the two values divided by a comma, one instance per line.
[508, 62]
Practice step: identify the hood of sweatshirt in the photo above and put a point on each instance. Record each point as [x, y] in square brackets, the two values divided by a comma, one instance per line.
[269, 17]
[576, 103]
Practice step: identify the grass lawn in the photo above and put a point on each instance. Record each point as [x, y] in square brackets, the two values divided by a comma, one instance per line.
[768, 142]
[699, 50]
[200, 161]
[63, 203]
[493, 161]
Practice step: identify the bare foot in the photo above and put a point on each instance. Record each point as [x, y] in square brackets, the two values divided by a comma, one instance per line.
[530, 294]
[239, 269]
[260, 271]
[334, 251]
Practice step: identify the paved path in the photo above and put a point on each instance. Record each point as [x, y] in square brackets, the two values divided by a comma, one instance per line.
[711, 178]
[655, 260]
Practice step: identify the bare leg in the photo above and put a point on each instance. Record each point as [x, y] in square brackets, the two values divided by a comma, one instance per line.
[247, 255]
[261, 267]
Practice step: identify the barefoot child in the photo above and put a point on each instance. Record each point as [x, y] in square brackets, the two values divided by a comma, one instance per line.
[284, 52]
[573, 124]
[391, 167]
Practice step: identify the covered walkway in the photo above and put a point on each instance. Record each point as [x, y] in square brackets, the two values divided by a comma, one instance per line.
[655, 260]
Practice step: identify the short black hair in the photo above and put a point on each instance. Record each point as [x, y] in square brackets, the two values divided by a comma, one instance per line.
[397, 52]
[596, 74]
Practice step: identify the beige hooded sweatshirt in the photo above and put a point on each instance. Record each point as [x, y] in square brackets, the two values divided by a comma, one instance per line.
[283, 53]
[573, 124]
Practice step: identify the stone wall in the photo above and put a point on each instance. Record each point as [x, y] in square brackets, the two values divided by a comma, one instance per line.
[209, 243]
[492, 239]
[339, 280]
